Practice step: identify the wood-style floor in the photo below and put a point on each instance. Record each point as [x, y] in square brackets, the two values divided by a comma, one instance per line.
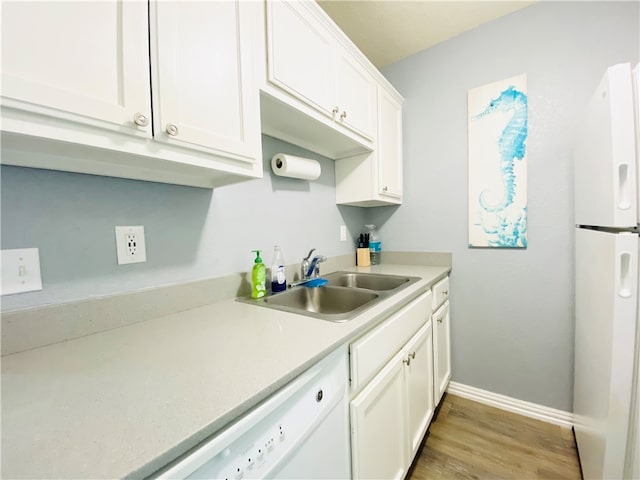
[471, 440]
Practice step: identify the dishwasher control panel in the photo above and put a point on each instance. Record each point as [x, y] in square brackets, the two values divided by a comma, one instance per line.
[251, 462]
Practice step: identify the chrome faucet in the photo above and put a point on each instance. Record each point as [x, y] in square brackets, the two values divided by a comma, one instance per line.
[310, 268]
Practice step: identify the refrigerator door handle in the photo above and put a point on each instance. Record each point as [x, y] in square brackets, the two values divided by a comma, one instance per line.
[624, 275]
[624, 193]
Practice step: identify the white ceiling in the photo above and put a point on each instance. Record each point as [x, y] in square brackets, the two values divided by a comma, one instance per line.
[387, 31]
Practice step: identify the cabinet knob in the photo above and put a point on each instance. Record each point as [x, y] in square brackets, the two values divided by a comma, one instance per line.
[171, 129]
[385, 188]
[343, 115]
[445, 292]
[335, 110]
[410, 356]
[140, 119]
[439, 319]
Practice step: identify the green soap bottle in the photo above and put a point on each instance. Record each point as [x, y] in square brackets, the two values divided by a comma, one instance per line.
[258, 277]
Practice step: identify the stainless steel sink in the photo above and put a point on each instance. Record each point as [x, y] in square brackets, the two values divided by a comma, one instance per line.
[346, 295]
[328, 303]
[369, 281]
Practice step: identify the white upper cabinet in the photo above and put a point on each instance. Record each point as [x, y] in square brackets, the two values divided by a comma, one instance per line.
[300, 54]
[320, 91]
[197, 103]
[355, 96]
[374, 179]
[78, 73]
[389, 147]
[78, 61]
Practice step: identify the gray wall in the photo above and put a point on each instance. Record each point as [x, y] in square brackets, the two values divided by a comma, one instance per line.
[512, 325]
[191, 233]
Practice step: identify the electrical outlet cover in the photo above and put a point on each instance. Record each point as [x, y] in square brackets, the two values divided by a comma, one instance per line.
[130, 245]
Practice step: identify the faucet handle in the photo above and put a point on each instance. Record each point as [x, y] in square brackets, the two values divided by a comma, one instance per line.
[309, 254]
[313, 267]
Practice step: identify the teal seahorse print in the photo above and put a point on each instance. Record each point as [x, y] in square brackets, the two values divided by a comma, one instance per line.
[511, 144]
[498, 209]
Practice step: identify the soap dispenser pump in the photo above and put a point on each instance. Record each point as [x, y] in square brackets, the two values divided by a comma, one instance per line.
[258, 277]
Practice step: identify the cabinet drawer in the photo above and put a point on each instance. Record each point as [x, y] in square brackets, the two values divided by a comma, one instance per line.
[371, 352]
[440, 292]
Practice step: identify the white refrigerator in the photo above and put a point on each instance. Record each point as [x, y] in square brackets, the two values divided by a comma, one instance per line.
[606, 376]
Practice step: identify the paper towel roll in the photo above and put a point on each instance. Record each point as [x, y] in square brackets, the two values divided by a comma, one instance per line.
[295, 167]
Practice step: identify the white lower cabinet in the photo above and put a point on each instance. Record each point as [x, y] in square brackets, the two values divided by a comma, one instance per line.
[392, 411]
[379, 425]
[419, 380]
[441, 350]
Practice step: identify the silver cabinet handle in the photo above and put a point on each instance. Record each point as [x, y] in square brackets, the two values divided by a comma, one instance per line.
[335, 110]
[140, 119]
[343, 115]
[439, 319]
[410, 356]
[171, 129]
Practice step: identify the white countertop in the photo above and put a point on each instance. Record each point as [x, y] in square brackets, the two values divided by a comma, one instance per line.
[125, 402]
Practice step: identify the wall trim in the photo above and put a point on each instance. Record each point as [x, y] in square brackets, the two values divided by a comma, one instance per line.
[521, 407]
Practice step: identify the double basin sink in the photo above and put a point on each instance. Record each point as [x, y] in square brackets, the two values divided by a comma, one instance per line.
[345, 295]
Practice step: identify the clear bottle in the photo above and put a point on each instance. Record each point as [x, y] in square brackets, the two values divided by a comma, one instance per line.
[375, 245]
[278, 277]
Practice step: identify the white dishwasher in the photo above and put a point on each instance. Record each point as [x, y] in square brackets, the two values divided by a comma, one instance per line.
[301, 432]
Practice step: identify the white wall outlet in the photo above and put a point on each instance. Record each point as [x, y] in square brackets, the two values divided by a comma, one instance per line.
[20, 271]
[343, 233]
[130, 245]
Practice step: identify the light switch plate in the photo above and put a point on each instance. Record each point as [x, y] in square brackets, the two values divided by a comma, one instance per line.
[20, 271]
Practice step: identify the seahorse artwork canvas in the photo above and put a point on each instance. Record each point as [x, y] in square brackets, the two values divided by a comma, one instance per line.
[498, 131]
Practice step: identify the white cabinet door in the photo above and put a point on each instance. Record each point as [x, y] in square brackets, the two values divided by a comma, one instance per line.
[86, 62]
[205, 96]
[300, 54]
[419, 378]
[441, 351]
[356, 96]
[375, 179]
[389, 150]
[378, 425]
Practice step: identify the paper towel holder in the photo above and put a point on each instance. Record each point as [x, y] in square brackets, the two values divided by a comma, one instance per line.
[285, 165]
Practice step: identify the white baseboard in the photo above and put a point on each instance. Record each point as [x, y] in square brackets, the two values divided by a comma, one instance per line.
[528, 409]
